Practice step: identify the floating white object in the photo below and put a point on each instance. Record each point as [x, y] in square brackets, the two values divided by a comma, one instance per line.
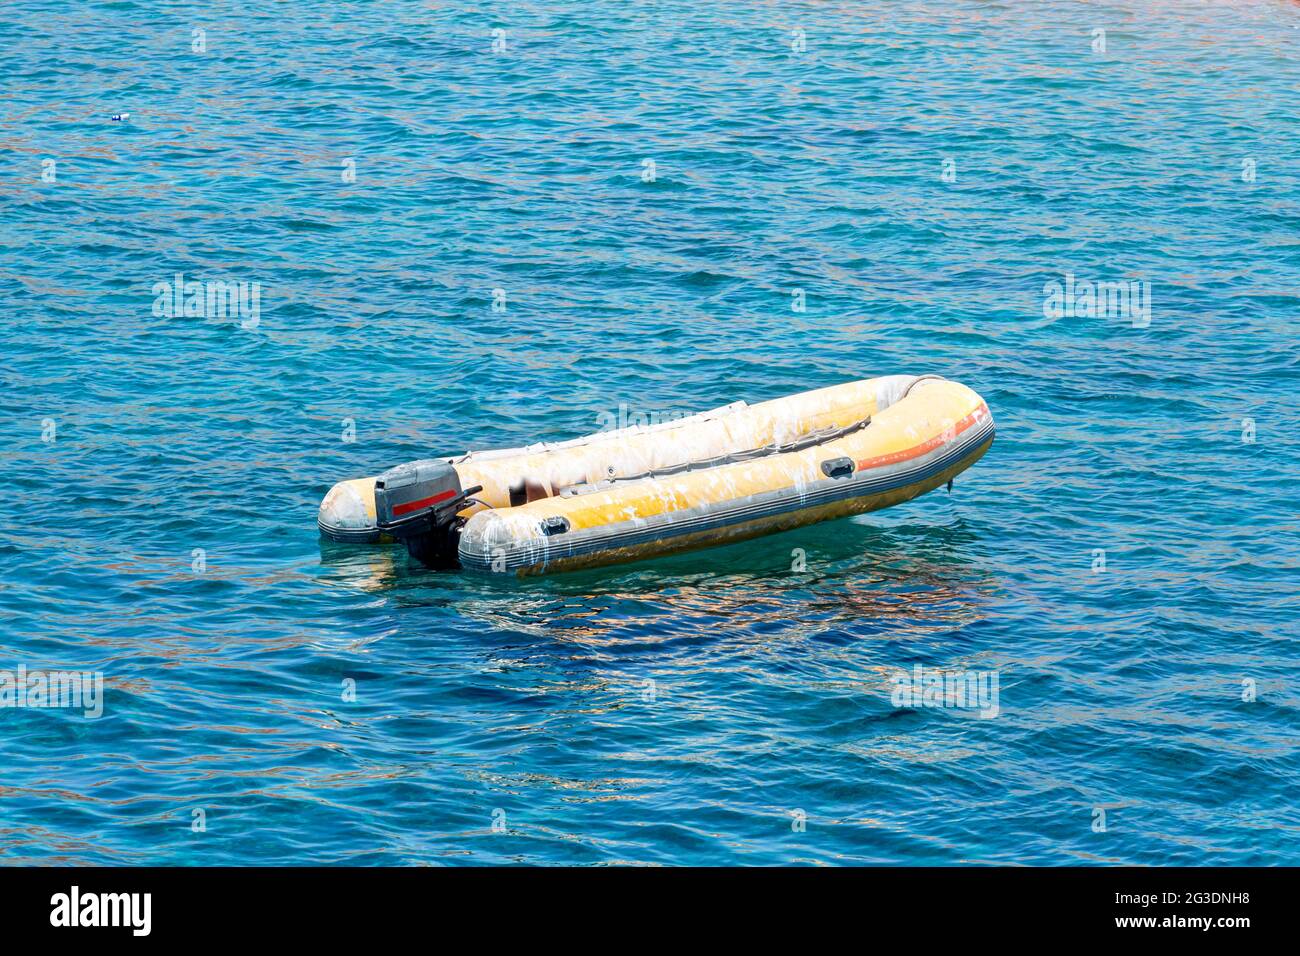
[720, 476]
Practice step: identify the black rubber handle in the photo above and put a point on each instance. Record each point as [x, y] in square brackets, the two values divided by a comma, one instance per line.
[837, 467]
[555, 525]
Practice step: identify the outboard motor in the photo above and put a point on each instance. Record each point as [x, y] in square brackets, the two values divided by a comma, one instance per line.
[416, 503]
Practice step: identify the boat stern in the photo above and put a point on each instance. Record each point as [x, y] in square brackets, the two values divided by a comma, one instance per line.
[347, 512]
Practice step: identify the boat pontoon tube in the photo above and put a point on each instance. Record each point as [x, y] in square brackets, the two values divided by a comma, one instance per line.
[720, 476]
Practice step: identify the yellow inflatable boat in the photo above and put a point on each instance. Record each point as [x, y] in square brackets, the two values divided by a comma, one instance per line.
[725, 475]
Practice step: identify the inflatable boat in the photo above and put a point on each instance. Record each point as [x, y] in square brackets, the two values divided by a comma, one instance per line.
[720, 476]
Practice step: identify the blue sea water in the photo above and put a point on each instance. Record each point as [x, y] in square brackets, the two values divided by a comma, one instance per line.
[1124, 558]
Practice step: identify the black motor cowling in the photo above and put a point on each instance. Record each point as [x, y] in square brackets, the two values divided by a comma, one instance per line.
[416, 503]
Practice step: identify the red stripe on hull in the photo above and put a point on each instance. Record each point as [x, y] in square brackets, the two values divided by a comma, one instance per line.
[894, 457]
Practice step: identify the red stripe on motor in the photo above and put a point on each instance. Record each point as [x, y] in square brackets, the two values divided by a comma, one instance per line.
[422, 503]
